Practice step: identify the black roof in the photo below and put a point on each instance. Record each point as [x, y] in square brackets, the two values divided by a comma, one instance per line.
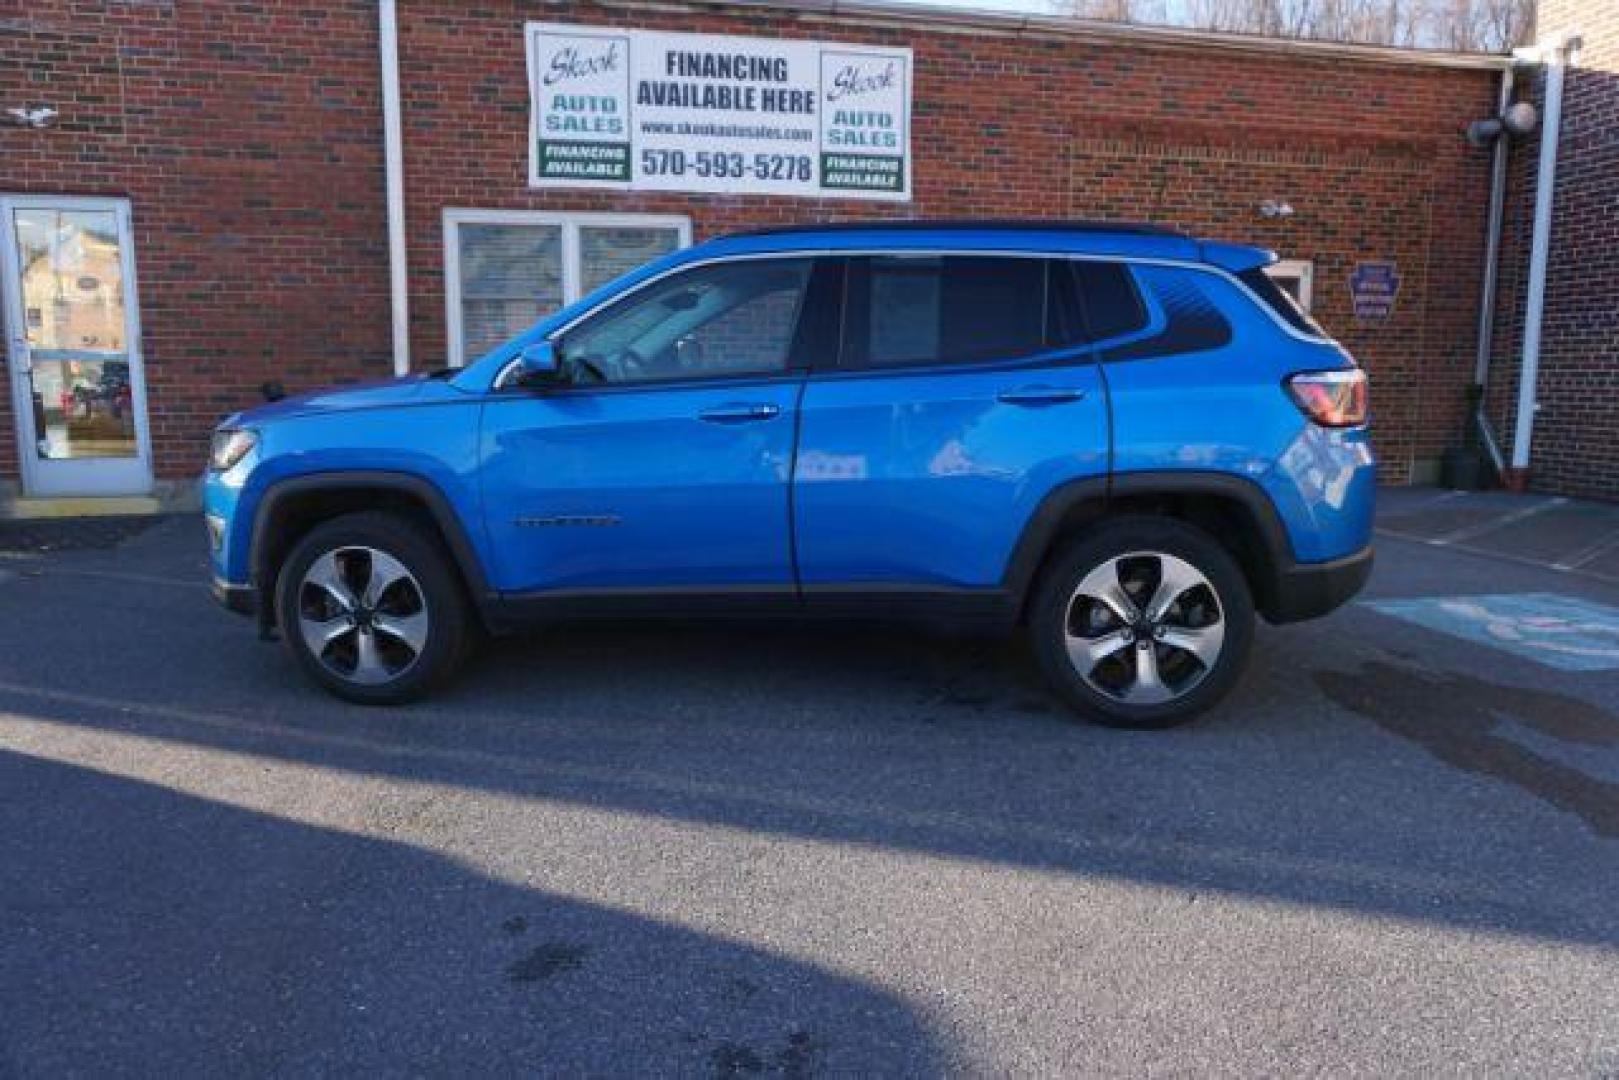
[1130, 228]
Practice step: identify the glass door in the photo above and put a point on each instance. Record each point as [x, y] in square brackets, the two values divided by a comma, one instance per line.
[73, 345]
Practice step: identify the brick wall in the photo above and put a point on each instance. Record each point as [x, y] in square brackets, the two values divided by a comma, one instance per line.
[248, 136]
[1576, 436]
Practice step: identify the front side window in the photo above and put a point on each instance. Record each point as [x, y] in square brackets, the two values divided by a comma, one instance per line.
[734, 318]
[913, 310]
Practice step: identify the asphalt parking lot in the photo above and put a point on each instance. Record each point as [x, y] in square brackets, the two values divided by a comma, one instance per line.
[711, 851]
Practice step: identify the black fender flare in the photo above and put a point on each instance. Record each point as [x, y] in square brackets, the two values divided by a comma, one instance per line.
[424, 491]
[1034, 543]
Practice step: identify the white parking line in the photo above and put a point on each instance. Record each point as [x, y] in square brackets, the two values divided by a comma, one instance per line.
[1471, 532]
[1447, 496]
[1588, 553]
[1502, 556]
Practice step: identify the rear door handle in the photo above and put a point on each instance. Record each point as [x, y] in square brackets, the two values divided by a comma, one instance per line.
[1041, 395]
[739, 412]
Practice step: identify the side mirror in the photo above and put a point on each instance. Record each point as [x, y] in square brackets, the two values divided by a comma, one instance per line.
[539, 365]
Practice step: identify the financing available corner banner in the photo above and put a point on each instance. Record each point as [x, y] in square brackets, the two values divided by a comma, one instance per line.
[652, 111]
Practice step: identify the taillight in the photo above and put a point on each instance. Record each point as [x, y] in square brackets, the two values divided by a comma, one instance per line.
[1331, 398]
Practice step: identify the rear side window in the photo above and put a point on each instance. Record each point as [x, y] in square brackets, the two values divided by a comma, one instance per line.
[1093, 301]
[913, 310]
[1281, 301]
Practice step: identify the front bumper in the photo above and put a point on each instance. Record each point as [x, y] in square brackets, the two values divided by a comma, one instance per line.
[242, 599]
[1310, 590]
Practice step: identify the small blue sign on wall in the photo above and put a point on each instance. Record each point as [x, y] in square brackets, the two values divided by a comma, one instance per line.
[1374, 286]
[1558, 631]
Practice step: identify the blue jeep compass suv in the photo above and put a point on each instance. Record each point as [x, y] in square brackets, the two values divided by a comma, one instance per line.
[1125, 440]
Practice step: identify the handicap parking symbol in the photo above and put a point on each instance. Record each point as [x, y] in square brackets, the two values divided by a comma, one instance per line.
[1557, 631]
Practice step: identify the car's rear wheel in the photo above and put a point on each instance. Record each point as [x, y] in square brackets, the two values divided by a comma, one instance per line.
[1144, 622]
[371, 608]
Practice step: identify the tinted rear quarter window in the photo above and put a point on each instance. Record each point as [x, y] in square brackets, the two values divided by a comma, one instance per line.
[1280, 301]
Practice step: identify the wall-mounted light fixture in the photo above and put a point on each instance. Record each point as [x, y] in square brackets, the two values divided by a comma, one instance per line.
[31, 116]
[1275, 208]
[1516, 120]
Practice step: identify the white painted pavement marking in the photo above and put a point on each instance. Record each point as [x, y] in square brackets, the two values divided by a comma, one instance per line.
[1485, 553]
[1588, 553]
[1472, 532]
[1563, 632]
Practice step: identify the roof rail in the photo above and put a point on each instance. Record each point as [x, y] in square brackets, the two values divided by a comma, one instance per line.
[1128, 228]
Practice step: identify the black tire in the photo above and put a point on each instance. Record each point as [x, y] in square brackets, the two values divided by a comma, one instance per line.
[1141, 543]
[405, 674]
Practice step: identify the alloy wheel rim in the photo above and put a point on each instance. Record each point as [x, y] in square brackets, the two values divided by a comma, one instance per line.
[1144, 628]
[362, 615]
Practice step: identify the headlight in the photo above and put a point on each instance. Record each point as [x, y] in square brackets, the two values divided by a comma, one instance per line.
[230, 446]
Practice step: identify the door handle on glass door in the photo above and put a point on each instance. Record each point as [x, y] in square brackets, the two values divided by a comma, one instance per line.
[739, 412]
[1041, 395]
[18, 355]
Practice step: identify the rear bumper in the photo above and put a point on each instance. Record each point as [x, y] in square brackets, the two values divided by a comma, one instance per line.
[242, 599]
[1309, 590]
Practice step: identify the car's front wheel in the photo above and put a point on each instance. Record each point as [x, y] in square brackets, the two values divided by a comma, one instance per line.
[1143, 623]
[370, 607]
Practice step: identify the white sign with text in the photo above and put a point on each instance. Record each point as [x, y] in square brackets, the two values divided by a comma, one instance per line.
[648, 111]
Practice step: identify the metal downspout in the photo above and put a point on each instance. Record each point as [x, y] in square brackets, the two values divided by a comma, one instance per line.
[1492, 257]
[1555, 54]
[394, 165]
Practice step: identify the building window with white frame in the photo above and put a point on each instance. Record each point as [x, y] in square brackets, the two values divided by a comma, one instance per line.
[504, 270]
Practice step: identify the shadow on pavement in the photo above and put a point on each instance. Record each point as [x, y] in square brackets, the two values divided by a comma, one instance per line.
[941, 747]
[948, 748]
[169, 923]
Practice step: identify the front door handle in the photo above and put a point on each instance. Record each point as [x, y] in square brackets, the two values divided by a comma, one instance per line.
[1041, 395]
[739, 412]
